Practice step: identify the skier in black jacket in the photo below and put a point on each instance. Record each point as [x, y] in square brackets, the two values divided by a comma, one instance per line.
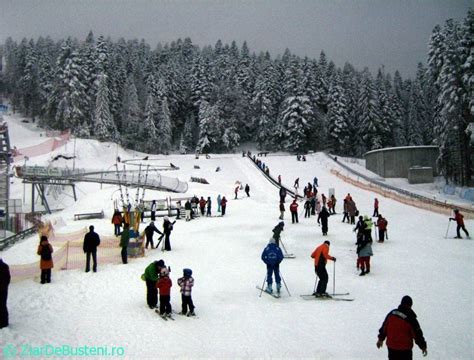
[323, 217]
[91, 241]
[149, 230]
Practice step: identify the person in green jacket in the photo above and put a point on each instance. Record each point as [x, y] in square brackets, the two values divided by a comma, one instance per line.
[124, 240]
[151, 276]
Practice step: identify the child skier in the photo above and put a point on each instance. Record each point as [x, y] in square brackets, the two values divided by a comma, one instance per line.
[272, 257]
[186, 284]
[164, 285]
[45, 250]
[459, 218]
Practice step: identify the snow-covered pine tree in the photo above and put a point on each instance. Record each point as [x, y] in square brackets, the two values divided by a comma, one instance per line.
[104, 126]
[131, 118]
[148, 133]
[163, 127]
[338, 128]
[209, 127]
[369, 114]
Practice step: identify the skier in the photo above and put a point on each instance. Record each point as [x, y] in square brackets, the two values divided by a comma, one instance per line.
[307, 208]
[272, 257]
[401, 327]
[45, 250]
[297, 183]
[164, 284]
[153, 210]
[282, 194]
[376, 208]
[202, 205]
[277, 232]
[315, 182]
[352, 209]
[359, 236]
[208, 203]
[124, 241]
[91, 242]
[117, 220]
[223, 205]
[178, 209]
[459, 218]
[368, 227]
[186, 284]
[219, 198]
[345, 212]
[333, 204]
[382, 225]
[167, 228]
[294, 211]
[321, 256]
[313, 204]
[323, 220]
[247, 189]
[364, 252]
[151, 276]
[4, 283]
[282, 210]
[187, 211]
[149, 230]
[279, 179]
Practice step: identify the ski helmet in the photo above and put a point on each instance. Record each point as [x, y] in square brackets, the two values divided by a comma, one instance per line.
[187, 272]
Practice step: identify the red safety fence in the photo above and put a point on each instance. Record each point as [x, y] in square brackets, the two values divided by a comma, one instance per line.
[43, 148]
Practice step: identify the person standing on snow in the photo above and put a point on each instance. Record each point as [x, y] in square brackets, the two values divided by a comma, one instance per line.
[186, 284]
[279, 179]
[202, 205]
[297, 183]
[208, 203]
[277, 230]
[323, 217]
[187, 211]
[153, 210]
[151, 276]
[382, 226]
[352, 209]
[117, 220]
[45, 250]
[164, 284]
[400, 328]
[91, 242]
[167, 228]
[247, 189]
[459, 218]
[223, 205]
[272, 257]
[376, 208]
[364, 252]
[294, 211]
[307, 208]
[282, 211]
[124, 241]
[368, 227]
[282, 194]
[321, 256]
[149, 230]
[315, 182]
[219, 203]
[236, 191]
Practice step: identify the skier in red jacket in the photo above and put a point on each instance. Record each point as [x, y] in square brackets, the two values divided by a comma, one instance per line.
[459, 218]
[294, 211]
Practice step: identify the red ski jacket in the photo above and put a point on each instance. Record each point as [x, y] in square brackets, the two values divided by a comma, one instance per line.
[164, 284]
[294, 207]
[400, 328]
[459, 218]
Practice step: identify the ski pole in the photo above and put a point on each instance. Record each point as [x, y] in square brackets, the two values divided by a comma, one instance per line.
[284, 282]
[263, 284]
[334, 278]
[315, 284]
[449, 223]
[386, 234]
[283, 246]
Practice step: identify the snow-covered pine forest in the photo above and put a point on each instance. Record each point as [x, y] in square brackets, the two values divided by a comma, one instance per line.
[215, 97]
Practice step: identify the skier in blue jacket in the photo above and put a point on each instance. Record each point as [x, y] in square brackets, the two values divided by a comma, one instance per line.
[272, 257]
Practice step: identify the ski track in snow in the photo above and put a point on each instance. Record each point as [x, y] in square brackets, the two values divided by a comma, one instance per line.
[109, 307]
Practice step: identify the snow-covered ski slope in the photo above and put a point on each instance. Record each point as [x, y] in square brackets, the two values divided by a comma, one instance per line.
[108, 308]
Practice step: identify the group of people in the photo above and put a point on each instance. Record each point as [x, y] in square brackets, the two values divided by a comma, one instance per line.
[157, 277]
[205, 206]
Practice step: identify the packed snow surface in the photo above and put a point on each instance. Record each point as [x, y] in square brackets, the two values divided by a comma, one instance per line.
[108, 308]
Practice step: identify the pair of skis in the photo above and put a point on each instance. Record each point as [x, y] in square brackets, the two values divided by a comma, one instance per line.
[275, 295]
[328, 297]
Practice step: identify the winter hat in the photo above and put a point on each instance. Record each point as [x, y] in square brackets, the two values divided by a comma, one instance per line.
[187, 272]
[152, 223]
[164, 272]
[272, 241]
[282, 223]
[327, 242]
[166, 218]
[407, 301]
[160, 263]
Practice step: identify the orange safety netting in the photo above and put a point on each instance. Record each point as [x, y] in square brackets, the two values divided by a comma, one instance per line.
[43, 148]
[416, 202]
[70, 254]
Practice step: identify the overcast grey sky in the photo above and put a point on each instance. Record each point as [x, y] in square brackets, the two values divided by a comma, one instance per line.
[364, 32]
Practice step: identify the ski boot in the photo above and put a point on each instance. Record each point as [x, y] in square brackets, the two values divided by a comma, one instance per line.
[269, 289]
[278, 288]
